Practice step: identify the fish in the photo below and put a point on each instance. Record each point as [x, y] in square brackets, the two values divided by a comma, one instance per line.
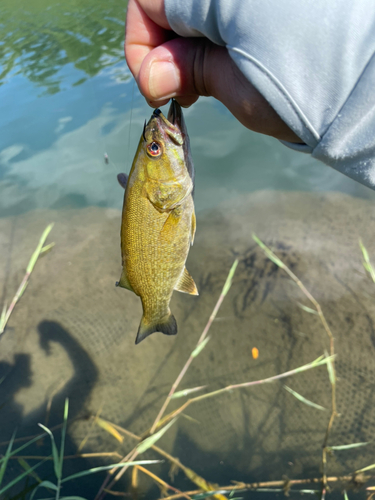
[158, 220]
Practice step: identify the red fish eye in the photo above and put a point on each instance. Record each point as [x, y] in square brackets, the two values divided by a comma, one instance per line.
[154, 149]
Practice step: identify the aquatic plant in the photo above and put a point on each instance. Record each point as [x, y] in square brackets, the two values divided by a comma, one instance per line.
[40, 249]
[58, 461]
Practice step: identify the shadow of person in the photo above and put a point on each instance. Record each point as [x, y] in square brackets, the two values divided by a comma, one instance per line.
[13, 377]
[77, 389]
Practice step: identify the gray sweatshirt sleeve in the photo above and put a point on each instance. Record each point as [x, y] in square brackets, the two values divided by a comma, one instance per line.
[314, 62]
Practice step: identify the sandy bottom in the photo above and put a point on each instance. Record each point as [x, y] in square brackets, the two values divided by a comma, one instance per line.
[72, 335]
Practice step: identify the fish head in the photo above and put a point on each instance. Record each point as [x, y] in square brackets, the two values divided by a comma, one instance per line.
[168, 169]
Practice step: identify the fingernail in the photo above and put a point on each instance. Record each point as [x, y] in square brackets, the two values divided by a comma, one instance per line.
[163, 80]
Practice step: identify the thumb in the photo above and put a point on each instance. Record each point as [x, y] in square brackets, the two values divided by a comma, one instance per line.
[178, 68]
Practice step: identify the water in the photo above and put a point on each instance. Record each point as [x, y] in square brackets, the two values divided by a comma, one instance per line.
[66, 98]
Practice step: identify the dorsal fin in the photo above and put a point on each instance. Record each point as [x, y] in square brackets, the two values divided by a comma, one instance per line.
[186, 283]
[122, 180]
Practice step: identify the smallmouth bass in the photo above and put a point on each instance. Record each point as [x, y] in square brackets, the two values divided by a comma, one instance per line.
[158, 220]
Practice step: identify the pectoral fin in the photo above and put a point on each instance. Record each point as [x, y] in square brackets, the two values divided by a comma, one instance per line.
[186, 284]
[123, 180]
[124, 282]
[168, 232]
[193, 228]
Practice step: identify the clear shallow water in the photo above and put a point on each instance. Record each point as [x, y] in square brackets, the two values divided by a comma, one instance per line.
[66, 98]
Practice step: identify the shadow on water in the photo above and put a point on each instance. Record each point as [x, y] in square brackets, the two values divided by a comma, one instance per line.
[18, 375]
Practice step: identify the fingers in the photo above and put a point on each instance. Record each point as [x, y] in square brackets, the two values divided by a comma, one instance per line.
[142, 33]
[155, 11]
[174, 69]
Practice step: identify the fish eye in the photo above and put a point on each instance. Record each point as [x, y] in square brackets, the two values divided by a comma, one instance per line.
[154, 149]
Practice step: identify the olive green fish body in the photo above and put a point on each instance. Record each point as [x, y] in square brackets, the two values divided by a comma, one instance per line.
[158, 224]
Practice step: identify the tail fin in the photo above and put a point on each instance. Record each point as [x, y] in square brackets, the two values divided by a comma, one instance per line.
[166, 325]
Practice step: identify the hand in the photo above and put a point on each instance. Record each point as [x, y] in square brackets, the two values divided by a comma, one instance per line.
[166, 65]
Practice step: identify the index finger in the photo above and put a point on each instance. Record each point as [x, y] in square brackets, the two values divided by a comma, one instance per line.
[142, 34]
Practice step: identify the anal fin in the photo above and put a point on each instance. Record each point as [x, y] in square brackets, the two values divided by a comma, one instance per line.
[124, 282]
[186, 283]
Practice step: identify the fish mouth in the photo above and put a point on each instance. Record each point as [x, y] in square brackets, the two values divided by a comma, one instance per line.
[174, 115]
[171, 126]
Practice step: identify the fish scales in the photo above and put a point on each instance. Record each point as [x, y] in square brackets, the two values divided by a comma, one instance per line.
[158, 221]
[154, 263]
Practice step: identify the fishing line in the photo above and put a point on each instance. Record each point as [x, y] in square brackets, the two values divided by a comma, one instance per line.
[92, 88]
[127, 162]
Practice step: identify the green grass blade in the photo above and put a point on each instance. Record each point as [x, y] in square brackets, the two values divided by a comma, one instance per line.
[268, 252]
[14, 452]
[322, 360]
[55, 455]
[369, 467]
[27, 467]
[364, 251]
[63, 434]
[20, 477]
[200, 347]
[366, 261]
[44, 484]
[23, 289]
[228, 282]
[307, 309]
[186, 392]
[72, 498]
[317, 362]
[47, 248]
[2, 317]
[6, 457]
[207, 494]
[346, 446]
[151, 440]
[345, 495]
[304, 400]
[94, 470]
[331, 371]
[108, 427]
[38, 249]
